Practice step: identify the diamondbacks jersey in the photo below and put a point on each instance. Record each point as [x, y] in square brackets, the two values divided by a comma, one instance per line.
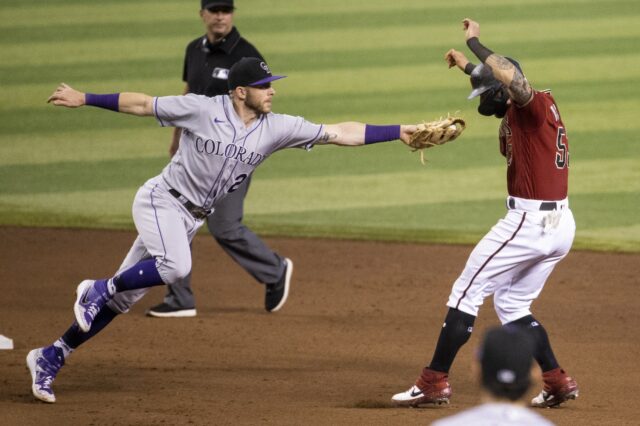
[534, 141]
[217, 152]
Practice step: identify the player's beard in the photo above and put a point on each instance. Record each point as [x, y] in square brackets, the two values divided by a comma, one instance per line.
[255, 105]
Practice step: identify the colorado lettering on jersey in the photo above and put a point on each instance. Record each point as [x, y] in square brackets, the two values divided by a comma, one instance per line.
[226, 150]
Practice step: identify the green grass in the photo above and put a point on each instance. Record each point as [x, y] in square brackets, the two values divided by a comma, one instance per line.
[374, 61]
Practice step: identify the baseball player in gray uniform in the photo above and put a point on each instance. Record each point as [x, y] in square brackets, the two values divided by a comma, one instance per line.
[207, 62]
[224, 138]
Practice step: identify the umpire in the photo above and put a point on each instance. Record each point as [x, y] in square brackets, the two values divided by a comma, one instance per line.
[206, 67]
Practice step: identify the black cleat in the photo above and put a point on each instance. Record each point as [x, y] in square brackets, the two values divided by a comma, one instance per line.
[276, 294]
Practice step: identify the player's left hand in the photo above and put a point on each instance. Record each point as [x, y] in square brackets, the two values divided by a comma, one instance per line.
[471, 28]
[406, 130]
[67, 96]
[453, 58]
[432, 133]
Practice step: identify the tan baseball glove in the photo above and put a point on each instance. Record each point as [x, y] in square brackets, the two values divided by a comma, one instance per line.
[437, 132]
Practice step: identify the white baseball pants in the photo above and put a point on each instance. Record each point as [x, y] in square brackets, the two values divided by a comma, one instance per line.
[514, 259]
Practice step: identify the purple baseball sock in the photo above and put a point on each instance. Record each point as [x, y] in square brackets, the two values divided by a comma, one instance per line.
[54, 356]
[142, 274]
[74, 337]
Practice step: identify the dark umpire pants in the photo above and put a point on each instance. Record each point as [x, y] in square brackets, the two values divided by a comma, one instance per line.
[225, 225]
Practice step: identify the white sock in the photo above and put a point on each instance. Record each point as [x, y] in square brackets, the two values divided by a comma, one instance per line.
[66, 349]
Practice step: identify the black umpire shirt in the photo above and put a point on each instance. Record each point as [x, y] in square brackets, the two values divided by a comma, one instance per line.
[206, 65]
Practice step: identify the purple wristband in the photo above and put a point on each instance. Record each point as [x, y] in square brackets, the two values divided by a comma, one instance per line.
[103, 101]
[373, 134]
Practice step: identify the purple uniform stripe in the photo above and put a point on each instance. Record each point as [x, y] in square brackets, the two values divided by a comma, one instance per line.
[155, 111]
[155, 213]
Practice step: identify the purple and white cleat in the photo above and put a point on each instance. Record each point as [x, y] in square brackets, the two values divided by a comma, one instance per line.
[91, 296]
[44, 363]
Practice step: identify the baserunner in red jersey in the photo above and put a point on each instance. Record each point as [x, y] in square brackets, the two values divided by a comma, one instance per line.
[513, 261]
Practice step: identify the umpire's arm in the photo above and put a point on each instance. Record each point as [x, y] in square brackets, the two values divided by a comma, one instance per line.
[130, 103]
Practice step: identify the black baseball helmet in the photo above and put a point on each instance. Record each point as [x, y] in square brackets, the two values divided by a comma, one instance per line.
[493, 94]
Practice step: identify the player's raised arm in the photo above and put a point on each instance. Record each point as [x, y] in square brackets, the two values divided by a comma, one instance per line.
[352, 133]
[503, 69]
[130, 103]
[455, 58]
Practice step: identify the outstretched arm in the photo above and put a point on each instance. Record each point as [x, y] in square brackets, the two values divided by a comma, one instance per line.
[130, 103]
[352, 133]
[503, 70]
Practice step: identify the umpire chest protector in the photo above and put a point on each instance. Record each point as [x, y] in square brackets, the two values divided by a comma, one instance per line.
[206, 65]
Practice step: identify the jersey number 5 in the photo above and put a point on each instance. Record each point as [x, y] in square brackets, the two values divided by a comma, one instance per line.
[562, 154]
[239, 181]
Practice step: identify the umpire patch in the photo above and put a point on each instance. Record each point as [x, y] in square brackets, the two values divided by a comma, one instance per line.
[221, 73]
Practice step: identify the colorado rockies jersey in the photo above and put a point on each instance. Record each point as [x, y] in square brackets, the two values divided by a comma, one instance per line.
[217, 152]
[534, 141]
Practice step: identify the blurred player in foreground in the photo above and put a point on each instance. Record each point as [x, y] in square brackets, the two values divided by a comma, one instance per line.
[505, 359]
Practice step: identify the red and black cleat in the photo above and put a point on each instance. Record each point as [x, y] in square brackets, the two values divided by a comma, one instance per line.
[558, 388]
[432, 387]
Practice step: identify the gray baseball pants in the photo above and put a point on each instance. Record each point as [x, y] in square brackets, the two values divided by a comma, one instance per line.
[245, 247]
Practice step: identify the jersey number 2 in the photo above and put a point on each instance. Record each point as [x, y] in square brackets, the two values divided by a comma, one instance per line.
[562, 154]
[239, 181]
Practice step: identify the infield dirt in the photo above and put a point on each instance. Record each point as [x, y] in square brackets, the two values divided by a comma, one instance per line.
[361, 321]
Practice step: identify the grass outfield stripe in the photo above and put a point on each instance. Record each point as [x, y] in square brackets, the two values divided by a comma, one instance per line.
[67, 177]
[366, 58]
[19, 13]
[303, 22]
[319, 193]
[448, 221]
[84, 146]
[101, 206]
[140, 25]
[601, 241]
[513, 30]
[435, 7]
[92, 71]
[343, 40]
[589, 214]
[460, 186]
[618, 233]
[594, 210]
[592, 69]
